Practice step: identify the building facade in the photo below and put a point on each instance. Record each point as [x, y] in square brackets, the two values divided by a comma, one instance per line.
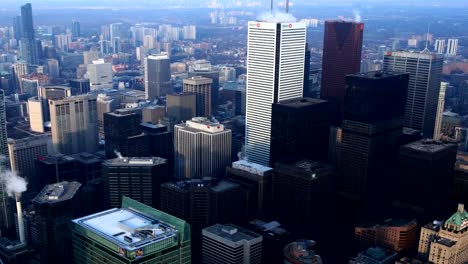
[157, 76]
[201, 87]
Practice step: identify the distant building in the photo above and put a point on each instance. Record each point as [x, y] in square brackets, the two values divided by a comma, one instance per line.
[137, 178]
[231, 244]
[201, 87]
[29, 51]
[74, 124]
[181, 107]
[100, 74]
[202, 149]
[375, 255]
[452, 47]
[154, 114]
[157, 75]
[445, 242]
[54, 207]
[300, 252]
[395, 234]
[3, 127]
[425, 71]
[440, 111]
[439, 46]
[135, 233]
[207, 72]
[255, 181]
[79, 86]
[342, 45]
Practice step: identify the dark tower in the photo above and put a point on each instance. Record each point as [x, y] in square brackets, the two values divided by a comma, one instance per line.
[29, 50]
[306, 84]
[342, 46]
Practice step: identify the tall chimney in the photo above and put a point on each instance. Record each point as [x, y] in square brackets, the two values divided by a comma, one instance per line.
[19, 212]
[287, 6]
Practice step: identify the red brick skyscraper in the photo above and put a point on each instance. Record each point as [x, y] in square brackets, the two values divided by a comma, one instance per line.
[342, 47]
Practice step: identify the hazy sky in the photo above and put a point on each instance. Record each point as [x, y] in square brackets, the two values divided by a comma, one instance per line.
[14, 4]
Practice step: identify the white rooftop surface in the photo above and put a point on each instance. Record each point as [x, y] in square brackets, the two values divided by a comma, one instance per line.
[251, 167]
[116, 224]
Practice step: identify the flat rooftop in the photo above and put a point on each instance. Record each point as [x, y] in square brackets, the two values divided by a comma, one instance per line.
[230, 233]
[251, 167]
[135, 161]
[214, 184]
[390, 223]
[430, 146]
[57, 192]
[302, 102]
[128, 229]
[446, 242]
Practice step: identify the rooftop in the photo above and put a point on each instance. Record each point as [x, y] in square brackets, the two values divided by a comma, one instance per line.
[251, 167]
[127, 228]
[302, 102]
[199, 124]
[54, 159]
[376, 74]
[230, 233]
[57, 192]
[446, 242]
[428, 145]
[135, 161]
[215, 184]
[391, 223]
[161, 56]
[459, 218]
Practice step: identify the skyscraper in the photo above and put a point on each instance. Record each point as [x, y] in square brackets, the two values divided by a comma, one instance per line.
[275, 72]
[76, 31]
[74, 124]
[134, 233]
[201, 87]
[54, 206]
[157, 75]
[100, 74]
[29, 51]
[202, 149]
[208, 72]
[231, 244]
[425, 70]
[342, 45]
[440, 111]
[452, 47]
[439, 46]
[3, 128]
[181, 107]
[137, 178]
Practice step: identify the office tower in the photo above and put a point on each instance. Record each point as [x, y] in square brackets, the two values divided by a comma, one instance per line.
[36, 115]
[202, 149]
[23, 153]
[55, 168]
[255, 182]
[115, 31]
[3, 128]
[445, 242]
[439, 46]
[399, 235]
[425, 71]
[440, 111]
[425, 167]
[154, 113]
[90, 56]
[20, 69]
[53, 68]
[190, 32]
[202, 202]
[62, 41]
[79, 86]
[452, 47]
[375, 255]
[157, 75]
[342, 46]
[300, 129]
[54, 92]
[275, 73]
[105, 47]
[117, 45]
[29, 51]
[375, 103]
[201, 87]
[301, 252]
[181, 107]
[51, 234]
[123, 134]
[75, 29]
[135, 233]
[137, 178]
[231, 244]
[298, 189]
[208, 72]
[306, 86]
[29, 87]
[7, 221]
[74, 124]
[228, 74]
[160, 142]
[88, 167]
[17, 28]
[105, 103]
[100, 74]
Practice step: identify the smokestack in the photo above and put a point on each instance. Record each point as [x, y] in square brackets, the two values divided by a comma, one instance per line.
[19, 212]
[287, 6]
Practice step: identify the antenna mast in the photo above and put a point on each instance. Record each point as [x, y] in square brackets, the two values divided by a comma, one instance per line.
[271, 6]
[287, 6]
[426, 50]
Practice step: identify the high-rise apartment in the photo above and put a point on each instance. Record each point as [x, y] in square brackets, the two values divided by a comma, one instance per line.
[201, 87]
[202, 149]
[452, 47]
[439, 46]
[137, 178]
[425, 70]
[74, 124]
[275, 73]
[231, 244]
[342, 45]
[157, 75]
[54, 207]
[100, 74]
[29, 51]
[134, 233]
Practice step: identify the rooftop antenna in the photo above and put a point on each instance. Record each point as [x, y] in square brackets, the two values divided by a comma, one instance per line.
[271, 7]
[287, 6]
[426, 50]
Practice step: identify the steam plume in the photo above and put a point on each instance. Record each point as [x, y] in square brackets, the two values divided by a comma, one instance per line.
[276, 17]
[118, 154]
[14, 184]
[357, 15]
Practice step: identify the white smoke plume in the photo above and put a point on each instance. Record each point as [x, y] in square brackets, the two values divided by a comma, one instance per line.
[118, 154]
[357, 15]
[241, 154]
[276, 17]
[14, 184]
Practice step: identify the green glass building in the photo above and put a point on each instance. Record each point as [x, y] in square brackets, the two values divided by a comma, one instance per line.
[135, 233]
